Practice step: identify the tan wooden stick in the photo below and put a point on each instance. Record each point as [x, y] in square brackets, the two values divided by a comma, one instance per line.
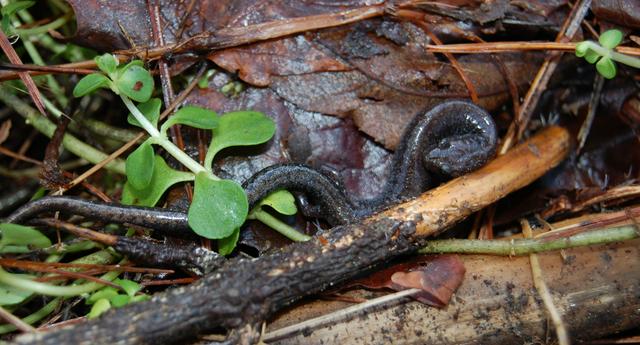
[439, 208]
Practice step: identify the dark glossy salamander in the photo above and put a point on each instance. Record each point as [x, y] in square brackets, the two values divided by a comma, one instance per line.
[451, 139]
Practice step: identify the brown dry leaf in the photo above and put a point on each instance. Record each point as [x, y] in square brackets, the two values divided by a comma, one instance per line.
[621, 13]
[438, 276]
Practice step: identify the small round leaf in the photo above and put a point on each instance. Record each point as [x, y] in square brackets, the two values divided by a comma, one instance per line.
[129, 286]
[228, 244]
[582, 48]
[163, 177]
[120, 300]
[241, 128]
[193, 116]
[218, 207]
[591, 56]
[611, 38]
[99, 307]
[107, 63]
[139, 166]
[281, 201]
[150, 109]
[104, 293]
[606, 67]
[90, 83]
[135, 82]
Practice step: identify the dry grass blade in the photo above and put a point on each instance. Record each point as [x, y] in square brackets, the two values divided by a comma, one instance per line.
[7, 48]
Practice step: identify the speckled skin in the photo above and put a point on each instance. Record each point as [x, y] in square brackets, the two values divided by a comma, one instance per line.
[451, 139]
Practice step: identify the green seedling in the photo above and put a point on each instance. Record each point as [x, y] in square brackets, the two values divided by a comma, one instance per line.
[108, 297]
[219, 206]
[11, 9]
[604, 55]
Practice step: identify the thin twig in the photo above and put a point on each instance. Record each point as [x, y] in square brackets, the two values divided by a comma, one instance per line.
[336, 316]
[517, 46]
[545, 294]
[591, 112]
[26, 78]
[14, 320]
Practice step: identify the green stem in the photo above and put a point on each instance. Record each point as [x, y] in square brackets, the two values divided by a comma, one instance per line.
[71, 247]
[46, 127]
[161, 140]
[529, 245]
[102, 257]
[43, 29]
[55, 88]
[619, 57]
[277, 225]
[20, 282]
[35, 317]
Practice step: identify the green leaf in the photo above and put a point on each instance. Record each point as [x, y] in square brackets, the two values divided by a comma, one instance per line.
[162, 178]
[139, 166]
[120, 300]
[606, 67]
[611, 38]
[218, 207]
[105, 293]
[135, 82]
[90, 83]
[129, 286]
[150, 109]
[99, 307]
[203, 83]
[591, 56]
[15, 6]
[10, 295]
[14, 234]
[6, 25]
[281, 201]
[227, 244]
[107, 63]
[241, 128]
[193, 116]
[582, 48]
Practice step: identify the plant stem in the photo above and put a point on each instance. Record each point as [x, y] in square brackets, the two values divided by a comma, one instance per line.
[161, 140]
[528, 246]
[43, 29]
[35, 317]
[102, 257]
[277, 225]
[46, 127]
[621, 58]
[19, 282]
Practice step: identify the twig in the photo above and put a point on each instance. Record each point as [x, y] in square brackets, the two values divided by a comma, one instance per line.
[14, 320]
[418, 19]
[591, 112]
[571, 25]
[504, 47]
[26, 78]
[336, 316]
[242, 293]
[545, 294]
